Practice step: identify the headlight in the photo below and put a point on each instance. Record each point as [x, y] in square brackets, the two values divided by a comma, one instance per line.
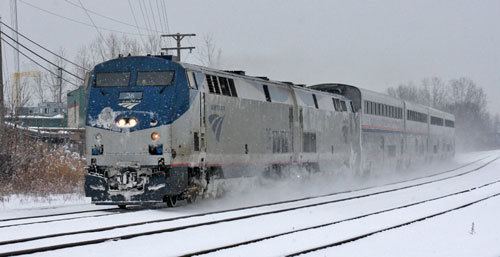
[155, 136]
[121, 123]
[127, 122]
[132, 122]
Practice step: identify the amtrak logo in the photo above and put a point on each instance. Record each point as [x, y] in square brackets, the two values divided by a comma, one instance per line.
[128, 105]
[216, 124]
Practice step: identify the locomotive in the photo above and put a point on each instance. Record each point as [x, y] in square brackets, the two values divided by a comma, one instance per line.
[159, 130]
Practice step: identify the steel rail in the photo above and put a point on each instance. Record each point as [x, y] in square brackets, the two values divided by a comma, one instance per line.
[172, 229]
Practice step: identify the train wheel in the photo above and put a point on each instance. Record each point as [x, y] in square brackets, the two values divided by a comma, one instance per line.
[171, 201]
[122, 206]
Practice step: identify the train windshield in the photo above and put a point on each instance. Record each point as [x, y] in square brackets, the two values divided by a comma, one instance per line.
[112, 79]
[155, 78]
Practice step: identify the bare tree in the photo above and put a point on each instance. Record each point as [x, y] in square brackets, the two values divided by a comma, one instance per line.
[40, 88]
[208, 53]
[465, 91]
[409, 92]
[152, 45]
[461, 97]
[99, 51]
[24, 94]
[436, 92]
[57, 86]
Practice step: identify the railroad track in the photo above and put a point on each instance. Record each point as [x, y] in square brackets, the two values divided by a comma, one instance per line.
[99, 214]
[371, 233]
[216, 221]
[352, 239]
[119, 211]
[55, 214]
[31, 220]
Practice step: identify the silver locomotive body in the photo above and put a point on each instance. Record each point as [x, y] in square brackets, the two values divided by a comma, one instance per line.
[162, 141]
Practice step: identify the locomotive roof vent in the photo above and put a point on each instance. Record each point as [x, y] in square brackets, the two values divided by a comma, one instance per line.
[262, 77]
[165, 56]
[287, 82]
[239, 72]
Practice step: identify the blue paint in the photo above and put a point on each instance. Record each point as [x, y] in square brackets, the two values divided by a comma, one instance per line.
[156, 149]
[163, 104]
[216, 122]
[97, 150]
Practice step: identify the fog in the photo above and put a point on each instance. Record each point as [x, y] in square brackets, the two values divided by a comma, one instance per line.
[298, 183]
[370, 44]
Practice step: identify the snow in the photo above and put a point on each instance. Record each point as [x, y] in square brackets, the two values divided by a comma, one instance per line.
[58, 116]
[16, 203]
[446, 235]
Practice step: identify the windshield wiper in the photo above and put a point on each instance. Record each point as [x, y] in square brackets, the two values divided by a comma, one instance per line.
[102, 92]
[163, 89]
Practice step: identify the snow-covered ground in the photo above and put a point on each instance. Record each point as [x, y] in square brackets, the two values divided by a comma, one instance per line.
[470, 231]
[19, 202]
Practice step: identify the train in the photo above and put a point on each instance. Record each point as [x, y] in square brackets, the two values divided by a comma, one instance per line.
[160, 131]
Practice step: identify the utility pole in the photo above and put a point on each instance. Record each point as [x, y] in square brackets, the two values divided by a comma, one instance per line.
[178, 38]
[2, 106]
[16, 86]
[59, 82]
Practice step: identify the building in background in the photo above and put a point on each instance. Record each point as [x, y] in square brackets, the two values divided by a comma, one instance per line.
[51, 109]
[45, 109]
[26, 111]
[76, 108]
[46, 114]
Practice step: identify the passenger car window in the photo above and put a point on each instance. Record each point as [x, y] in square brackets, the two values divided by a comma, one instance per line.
[155, 78]
[112, 79]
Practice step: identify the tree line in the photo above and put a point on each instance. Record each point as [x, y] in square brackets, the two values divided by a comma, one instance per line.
[474, 125]
[43, 86]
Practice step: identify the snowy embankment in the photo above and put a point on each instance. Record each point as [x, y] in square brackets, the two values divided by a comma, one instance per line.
[276, 231]
[19, 202]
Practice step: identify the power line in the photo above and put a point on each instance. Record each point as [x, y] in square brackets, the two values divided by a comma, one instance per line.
[152, 13]
[39, 56]
[4, 66]
[77, 21]
[44, 48]
[37, 63]
[107, 17]
[146, 21]
[98, 31]
[160, 17]
[135, 20]
[165, 11]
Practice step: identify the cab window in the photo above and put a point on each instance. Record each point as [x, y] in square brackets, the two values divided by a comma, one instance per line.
[192, 80]
[155, 78]
[112, 79]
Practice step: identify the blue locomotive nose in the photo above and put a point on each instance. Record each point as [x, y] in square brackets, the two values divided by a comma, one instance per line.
[137, 93]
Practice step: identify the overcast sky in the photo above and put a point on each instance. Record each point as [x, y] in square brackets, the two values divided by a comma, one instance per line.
[371, 44]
